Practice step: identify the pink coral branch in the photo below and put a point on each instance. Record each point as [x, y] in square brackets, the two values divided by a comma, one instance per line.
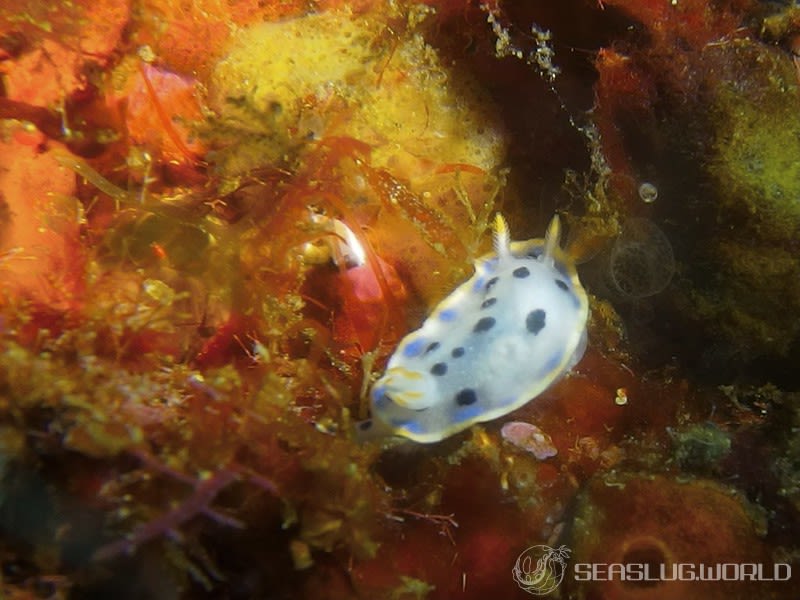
[149, 461]
[197, 503]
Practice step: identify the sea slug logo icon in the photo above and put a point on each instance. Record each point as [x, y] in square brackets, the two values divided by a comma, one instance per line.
[540, 569]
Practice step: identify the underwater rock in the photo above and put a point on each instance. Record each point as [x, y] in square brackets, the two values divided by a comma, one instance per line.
[700, 447]
[195, 386]
[721, 142]
[656, 520]
[753, 247]
[755, 139]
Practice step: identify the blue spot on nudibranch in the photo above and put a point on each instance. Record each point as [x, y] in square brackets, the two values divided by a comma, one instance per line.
[380, 398]
[414, 348]
[553, 362]
[414, 427]
[448, 314]
[476, 287]
[409, 426]
[467, 413]
[486, 267]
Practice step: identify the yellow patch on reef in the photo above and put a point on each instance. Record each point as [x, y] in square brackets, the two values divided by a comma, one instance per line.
[337, 74]
[430, 180]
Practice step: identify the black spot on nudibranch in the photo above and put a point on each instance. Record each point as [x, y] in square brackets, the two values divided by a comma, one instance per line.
[431, 347]
[484, 324]
[489, 302]
[466, 397]
[534, 322]
[490, 283]
[457, 352]
[562, 285]
[439, 369]
[521, 272]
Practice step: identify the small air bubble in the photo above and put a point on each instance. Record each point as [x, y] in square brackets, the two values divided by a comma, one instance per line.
[648, 192]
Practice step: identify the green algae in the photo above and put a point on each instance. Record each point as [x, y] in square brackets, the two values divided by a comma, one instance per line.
[757, 141]
[700, 447]
[746, 279]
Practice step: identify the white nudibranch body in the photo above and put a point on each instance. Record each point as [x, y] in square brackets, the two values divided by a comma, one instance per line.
[498, 341]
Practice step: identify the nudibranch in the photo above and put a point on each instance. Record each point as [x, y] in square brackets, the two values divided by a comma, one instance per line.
[498, 341]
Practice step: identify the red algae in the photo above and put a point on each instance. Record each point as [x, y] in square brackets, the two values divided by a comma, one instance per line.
[43, 227]
[175, 106]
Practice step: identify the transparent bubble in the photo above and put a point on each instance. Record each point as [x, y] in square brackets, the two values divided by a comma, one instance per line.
[648, 192]
[641, 262]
